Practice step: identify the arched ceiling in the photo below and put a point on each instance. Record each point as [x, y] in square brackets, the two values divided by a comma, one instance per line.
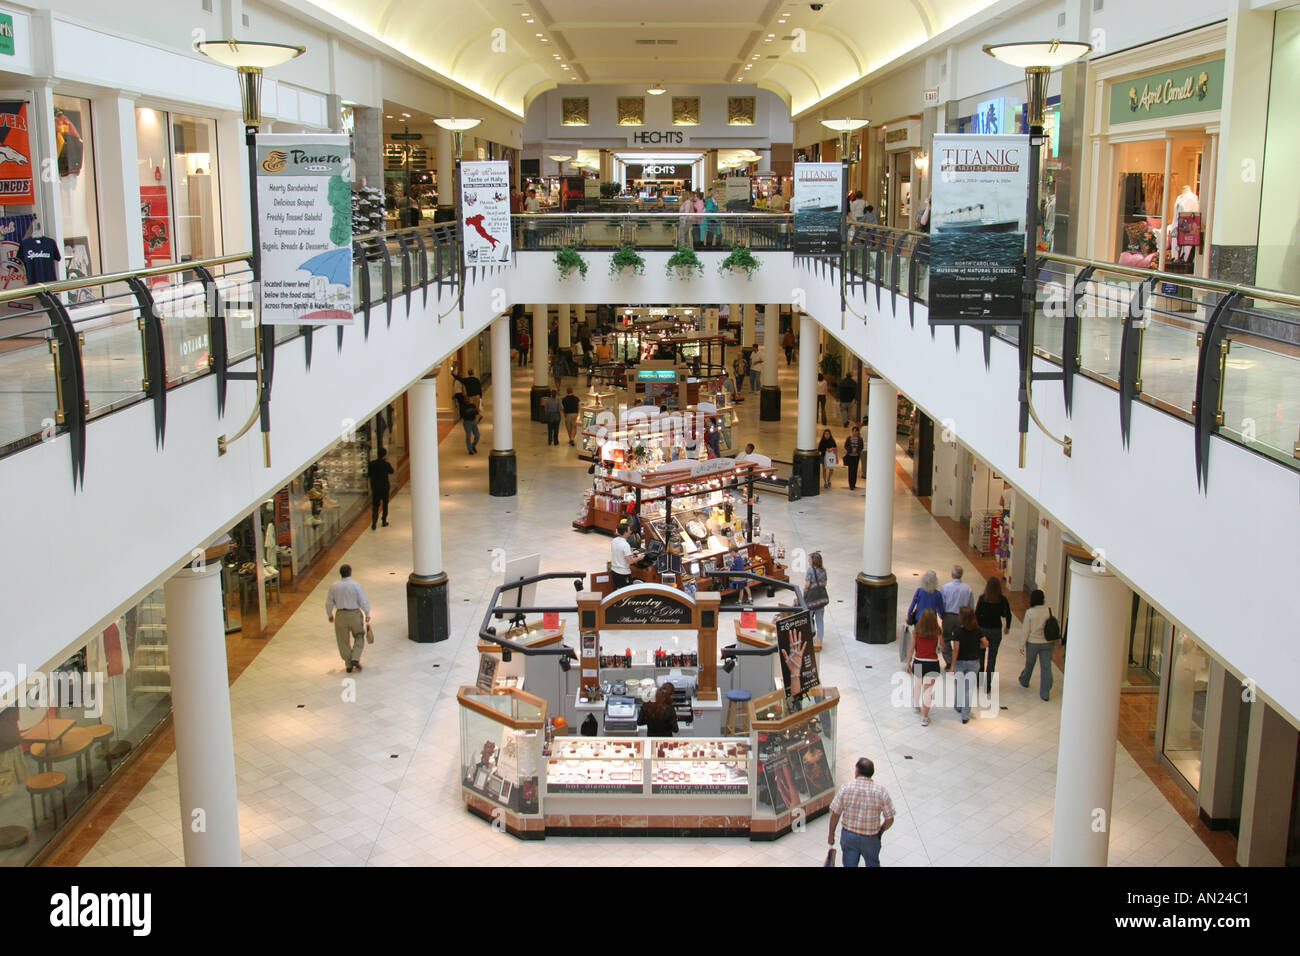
[509, 51]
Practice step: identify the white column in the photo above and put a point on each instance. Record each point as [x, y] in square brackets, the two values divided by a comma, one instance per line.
[260, 566]
[1267, 787]
[200, 691]
[943, 493]
[426, 520]
[118, 183]
[747, 325]
[541, 354]
[806, 437]
[446, 163]
[502, 437]
[566, 333]
[1085, 759]
[878, 485]
[771, 339]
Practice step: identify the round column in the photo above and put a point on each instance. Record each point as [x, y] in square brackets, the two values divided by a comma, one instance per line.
[877, 597]
[200, 691]
[769, 403]
[541, 363]
[427, 619]
[502, 469]
[566, 328]
[1098, 613]
[747, 330]
[807, 463]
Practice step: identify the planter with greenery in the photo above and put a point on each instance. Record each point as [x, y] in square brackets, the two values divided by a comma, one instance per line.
[567, 261]
[831, 366]
[684, 264]
[610, 190]
[626, 258]
[739, 259]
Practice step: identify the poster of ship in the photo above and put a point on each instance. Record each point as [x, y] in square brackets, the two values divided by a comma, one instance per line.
[817, 206]
[977, 229]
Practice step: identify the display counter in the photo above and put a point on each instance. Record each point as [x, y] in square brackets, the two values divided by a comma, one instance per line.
[501, 737]
[795, 752]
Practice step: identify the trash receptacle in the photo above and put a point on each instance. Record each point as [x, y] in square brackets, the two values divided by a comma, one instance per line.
[794, 489]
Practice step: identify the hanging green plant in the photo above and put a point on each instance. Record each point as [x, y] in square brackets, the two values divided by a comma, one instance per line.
[567, 260]
[831, 366]
[740, 258]
[684, 263]
[626, 258]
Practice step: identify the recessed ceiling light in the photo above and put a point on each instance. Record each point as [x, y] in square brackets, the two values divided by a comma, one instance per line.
[389, 116]
[537, 34]
[780, 21]
[768, 40]
[544, 40]
[530, 20]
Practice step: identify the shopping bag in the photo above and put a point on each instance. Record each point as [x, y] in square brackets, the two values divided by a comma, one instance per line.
[830, 857]
[905, 644]
[832, 459]
[370, 634]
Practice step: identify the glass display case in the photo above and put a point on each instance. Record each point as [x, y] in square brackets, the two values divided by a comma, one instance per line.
[700, 767]
[796, 752]
[596, 765]
[684, 766]
[501, 736]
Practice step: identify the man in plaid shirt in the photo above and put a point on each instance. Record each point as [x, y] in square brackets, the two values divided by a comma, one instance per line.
[867, 812]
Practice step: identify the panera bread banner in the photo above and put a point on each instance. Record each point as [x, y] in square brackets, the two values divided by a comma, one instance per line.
[304, 228]
[977, 229]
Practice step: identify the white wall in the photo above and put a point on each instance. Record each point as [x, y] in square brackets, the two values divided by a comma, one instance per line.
[535, 273]
[1220, 563]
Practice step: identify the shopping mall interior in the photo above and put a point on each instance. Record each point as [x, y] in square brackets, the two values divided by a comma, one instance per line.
[651, 372]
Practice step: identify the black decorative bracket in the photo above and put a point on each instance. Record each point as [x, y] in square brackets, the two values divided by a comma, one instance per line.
[155, 360]
[1207, 407]
[1130, 355]
[73, 411]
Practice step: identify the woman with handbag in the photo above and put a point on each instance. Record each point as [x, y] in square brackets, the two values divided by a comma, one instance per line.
[830, 454]
[815, 596]
[993, 613]
[926, 598]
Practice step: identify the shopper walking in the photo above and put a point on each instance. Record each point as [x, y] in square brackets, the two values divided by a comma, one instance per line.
[523, 341]
[815, 595]
[473, 388]
[754, 361]
[348, 609]
[1035, 645]
[821, 398]
[830, 455]
[956, 595]
[852, 455]
[551, 414]
[923, 662]
[712, 228]
[867, 812]
[378, 471]
[846, 393]
[993, 614]
[969, 644]
[788, 343]
[468, 421]
[570, 405]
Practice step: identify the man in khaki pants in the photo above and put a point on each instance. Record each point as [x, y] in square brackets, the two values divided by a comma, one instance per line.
[345, 606]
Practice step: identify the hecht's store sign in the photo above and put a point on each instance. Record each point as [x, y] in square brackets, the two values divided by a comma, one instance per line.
[657, 137]
[1189, 89]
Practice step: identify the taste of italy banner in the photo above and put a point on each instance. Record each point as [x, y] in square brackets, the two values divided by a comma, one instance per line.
[818, 208]
[304, 223]
[977, 229]
[485, 211]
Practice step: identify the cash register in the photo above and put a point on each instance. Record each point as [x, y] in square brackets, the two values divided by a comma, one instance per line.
[620, 716]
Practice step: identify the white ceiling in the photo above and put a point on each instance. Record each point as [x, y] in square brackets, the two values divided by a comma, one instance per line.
[490, 47]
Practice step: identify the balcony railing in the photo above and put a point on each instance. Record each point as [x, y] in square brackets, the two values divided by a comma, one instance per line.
[762, 232]
[75, 351]
[1223, 357]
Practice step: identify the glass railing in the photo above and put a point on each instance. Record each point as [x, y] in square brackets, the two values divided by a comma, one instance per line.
[762, 232]
[1168, 325]
[76, 350]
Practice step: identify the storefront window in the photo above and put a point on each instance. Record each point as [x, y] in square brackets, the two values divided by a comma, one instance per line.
[1189, 675]
[79, 717]
[1279, 225]
[1159, 223]
[179, 206]
[74, 137]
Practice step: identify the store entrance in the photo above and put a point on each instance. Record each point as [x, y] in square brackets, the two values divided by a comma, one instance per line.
[1159, 219]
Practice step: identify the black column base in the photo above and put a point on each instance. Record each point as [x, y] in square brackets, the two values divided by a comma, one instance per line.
[877, 612]
[769, 404]
[503, 474]
[808, 466]
[427, 618]
[535, 396]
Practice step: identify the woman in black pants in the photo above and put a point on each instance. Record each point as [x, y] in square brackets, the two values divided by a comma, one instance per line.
[993, 614]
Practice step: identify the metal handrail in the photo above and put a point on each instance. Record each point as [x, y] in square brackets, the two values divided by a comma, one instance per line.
[69, 285]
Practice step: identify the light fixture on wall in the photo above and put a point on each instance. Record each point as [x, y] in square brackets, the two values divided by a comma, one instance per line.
[656, 89]
[922, 162]
[1037, 59]
[249, 58]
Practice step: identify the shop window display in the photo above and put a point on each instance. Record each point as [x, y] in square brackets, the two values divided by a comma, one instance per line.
[177, 174]
[74, 139]
[1189, 675]
[80, 717]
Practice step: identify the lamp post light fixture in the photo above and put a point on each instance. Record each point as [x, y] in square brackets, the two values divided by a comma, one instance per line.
[249, 58]
[457, 127]
[844, 127]
[1037, 59]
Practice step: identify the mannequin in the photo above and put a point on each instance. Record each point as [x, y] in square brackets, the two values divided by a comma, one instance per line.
[1187, 234]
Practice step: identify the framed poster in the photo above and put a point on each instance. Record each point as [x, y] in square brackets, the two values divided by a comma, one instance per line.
[156, 222]
[817, 204]
[304, 228]
[798, 655]
[977, 229]
[15, 155]
[485, 211]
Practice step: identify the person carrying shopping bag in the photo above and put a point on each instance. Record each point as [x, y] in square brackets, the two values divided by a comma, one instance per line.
[830, 454]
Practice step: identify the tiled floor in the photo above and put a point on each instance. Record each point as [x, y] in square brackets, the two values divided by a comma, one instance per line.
[323, 781]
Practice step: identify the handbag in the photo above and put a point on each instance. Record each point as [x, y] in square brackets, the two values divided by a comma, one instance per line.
[905, 644]
[370, 634]
[815, 596]
[830, 857]
[1051, 627]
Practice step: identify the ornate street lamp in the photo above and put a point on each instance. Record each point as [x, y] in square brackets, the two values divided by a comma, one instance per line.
[457, 126]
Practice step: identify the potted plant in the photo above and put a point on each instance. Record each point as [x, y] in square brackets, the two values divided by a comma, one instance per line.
[626, 260]
[567, 261]
[684, 263]
[610, 190]
[831, 366]
[740, 259]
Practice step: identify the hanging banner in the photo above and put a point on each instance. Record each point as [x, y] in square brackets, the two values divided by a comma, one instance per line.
[304, 221]
[485, 211]
[738, 194]
[794, 639]
[15, 155]
[977, 229]
[817, 203]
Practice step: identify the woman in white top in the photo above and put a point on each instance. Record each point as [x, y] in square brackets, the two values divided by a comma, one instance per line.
[821, 397]
[1035, 646]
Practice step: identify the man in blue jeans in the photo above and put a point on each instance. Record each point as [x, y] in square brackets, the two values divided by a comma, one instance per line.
[867, 812]
[469, 421]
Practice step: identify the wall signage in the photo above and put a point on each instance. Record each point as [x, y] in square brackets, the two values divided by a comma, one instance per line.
[6, 34]
[794, 638]
[657, 137]
[658, 171]
[304, 228]
[649, 610]
[15, 155]
[1189, 89]
[656, 375]
[990, 117]
[817, 203]
[930, 96]
[485, 211]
